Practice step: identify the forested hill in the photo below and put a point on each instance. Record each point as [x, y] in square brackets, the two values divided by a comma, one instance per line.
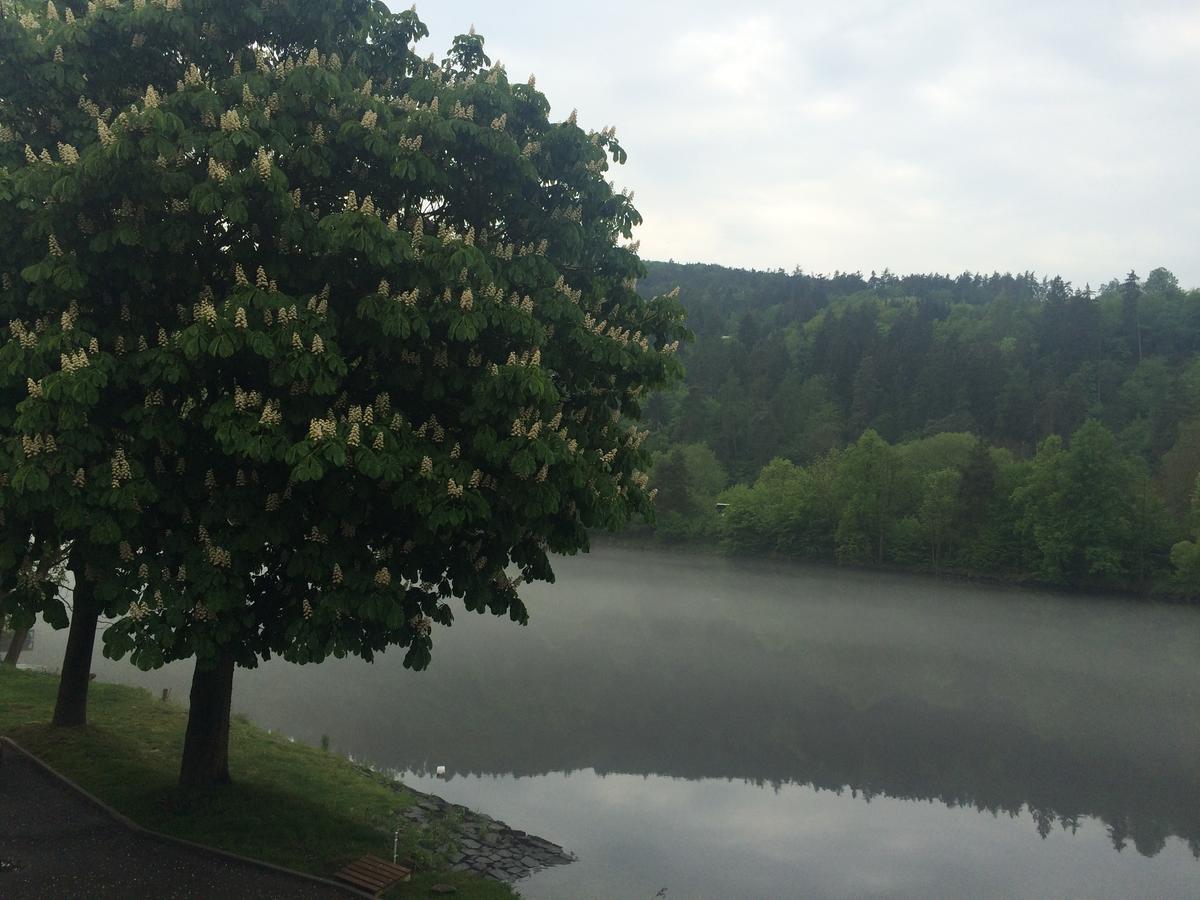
[793, 366]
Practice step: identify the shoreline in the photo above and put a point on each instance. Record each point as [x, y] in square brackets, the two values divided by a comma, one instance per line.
[649, 540]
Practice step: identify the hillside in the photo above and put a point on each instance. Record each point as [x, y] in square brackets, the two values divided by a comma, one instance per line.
[793, 366]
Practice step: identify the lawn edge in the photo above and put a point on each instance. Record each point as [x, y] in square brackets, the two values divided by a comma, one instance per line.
[133, 826]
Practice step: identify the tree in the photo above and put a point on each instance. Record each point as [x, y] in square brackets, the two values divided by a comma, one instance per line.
[1185, 555]
[351, 332]
[871, 484]
[674, 482]
[1077, 508]
[938, 509]
[1131, 296]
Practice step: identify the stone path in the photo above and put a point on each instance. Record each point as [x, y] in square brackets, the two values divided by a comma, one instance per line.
[474, 842]
[55, 842]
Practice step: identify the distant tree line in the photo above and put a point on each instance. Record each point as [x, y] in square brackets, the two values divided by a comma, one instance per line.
[993, 424]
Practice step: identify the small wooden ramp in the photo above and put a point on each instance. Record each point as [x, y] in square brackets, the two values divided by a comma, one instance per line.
[373, 875]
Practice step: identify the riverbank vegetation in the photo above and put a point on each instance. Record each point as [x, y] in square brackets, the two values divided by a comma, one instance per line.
[1002, 425]
[292, 805]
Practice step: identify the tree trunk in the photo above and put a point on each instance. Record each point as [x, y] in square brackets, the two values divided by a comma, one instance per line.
[71, 709]
[206, 745]
[15, 648]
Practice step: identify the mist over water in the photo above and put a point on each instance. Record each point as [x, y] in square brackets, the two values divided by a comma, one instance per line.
[728, 729]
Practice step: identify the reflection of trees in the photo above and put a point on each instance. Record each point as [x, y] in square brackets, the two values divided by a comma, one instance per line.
[710, 700]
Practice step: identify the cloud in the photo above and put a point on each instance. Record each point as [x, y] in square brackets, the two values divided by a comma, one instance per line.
[733, 58]
[929, 135]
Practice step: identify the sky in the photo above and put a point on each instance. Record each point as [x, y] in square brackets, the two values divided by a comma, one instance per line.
[1058, 136]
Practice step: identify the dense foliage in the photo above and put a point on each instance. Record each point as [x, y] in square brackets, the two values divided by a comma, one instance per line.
[306, 334]
[849, 409]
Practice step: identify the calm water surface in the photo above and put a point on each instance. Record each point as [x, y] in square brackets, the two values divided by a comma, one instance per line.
[724, 729]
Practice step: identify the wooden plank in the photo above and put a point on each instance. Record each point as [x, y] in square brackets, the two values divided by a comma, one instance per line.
[362, 878]
[370, 865]
[373, 874]
[383, 867]
[358, 877]
[375, 860]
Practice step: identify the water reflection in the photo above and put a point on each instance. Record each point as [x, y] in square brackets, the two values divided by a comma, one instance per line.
[1055, 709]
[974, 697]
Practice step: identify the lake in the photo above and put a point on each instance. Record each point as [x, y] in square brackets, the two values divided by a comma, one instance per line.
[724, 729]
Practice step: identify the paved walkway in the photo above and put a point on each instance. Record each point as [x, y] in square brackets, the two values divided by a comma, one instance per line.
[55, 843]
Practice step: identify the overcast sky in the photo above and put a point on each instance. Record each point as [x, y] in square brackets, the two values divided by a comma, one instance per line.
[940, 135]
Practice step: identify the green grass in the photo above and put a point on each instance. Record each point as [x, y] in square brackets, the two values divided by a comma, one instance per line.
[290, 804]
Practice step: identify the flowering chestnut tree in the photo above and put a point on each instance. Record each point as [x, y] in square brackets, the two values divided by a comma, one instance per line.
[310, 339]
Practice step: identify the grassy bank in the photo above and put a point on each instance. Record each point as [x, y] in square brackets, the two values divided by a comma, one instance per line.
[292, 805]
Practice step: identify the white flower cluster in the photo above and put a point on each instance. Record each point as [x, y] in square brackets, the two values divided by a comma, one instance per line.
[245, 400]
[262, 162]
[73, 362]
[37, 444]
[204, 311]
[26, 338]
[271, 415]
[412, 144]
[433, 428]
[528, 358]
[231, 121]
[107, 138]
[575, 296]
[320, 429]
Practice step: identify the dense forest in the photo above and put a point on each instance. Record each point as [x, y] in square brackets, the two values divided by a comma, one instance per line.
[1002, 424]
